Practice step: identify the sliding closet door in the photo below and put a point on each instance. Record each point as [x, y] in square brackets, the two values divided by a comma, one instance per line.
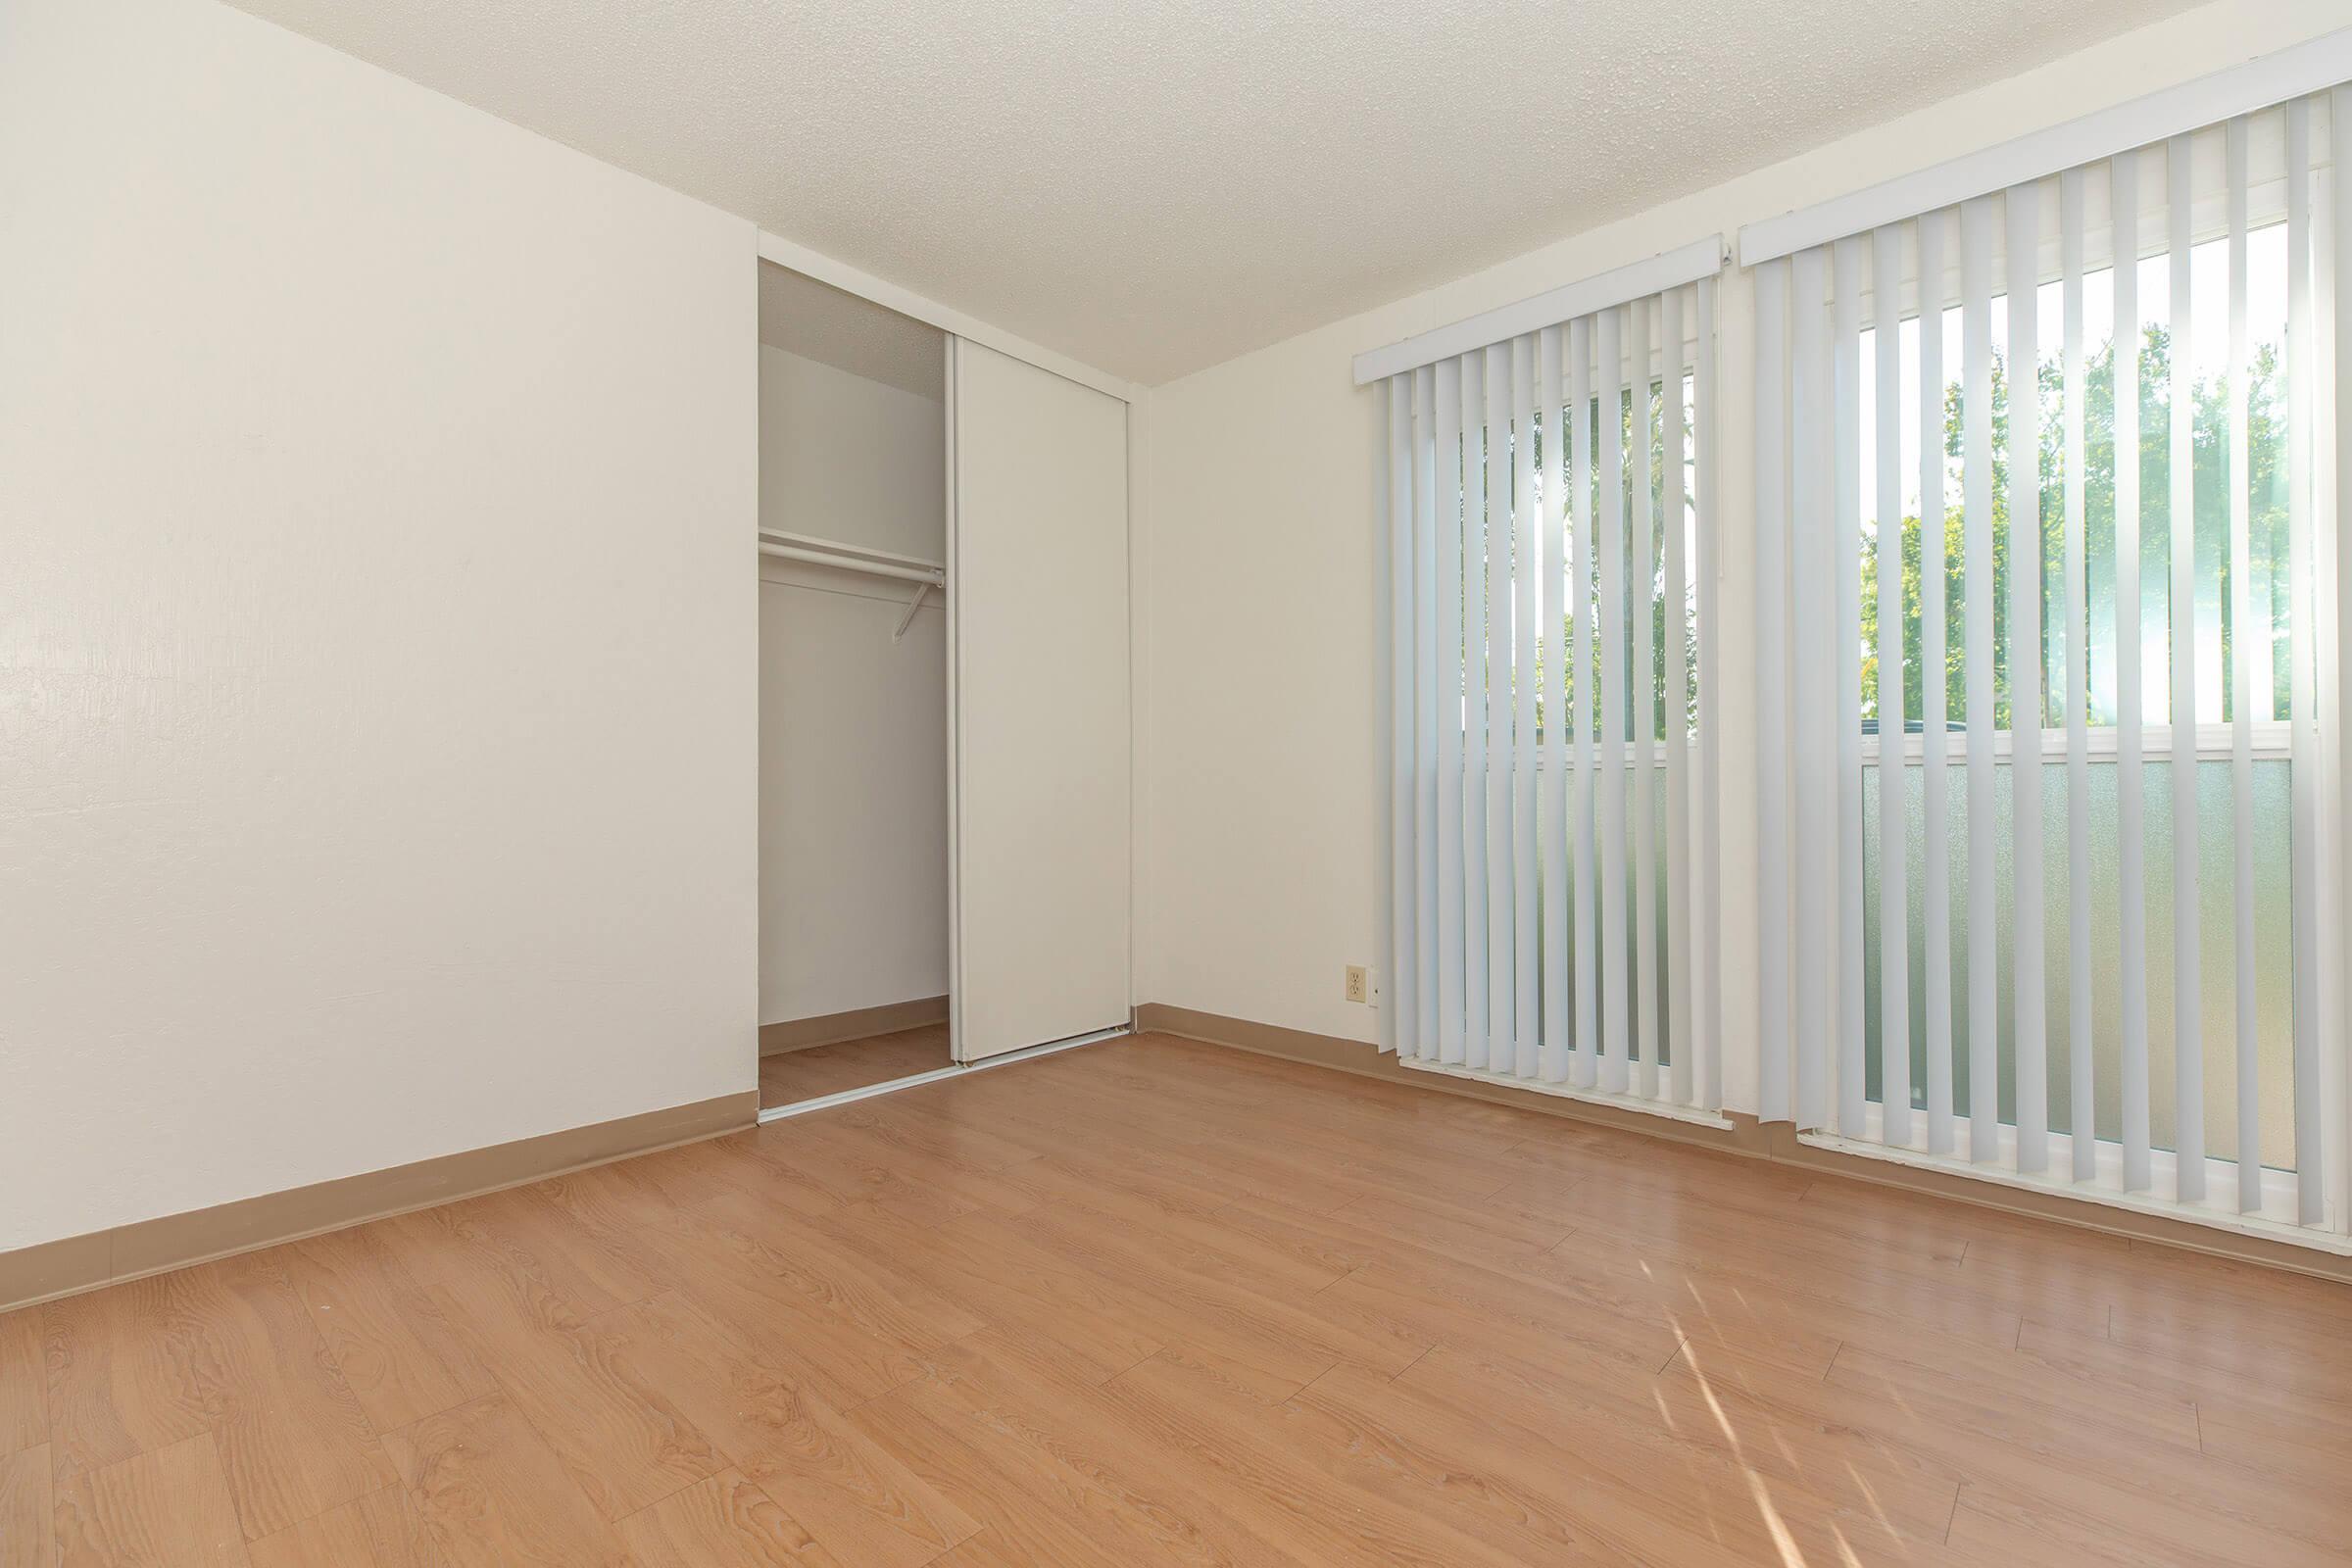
[1038, 574]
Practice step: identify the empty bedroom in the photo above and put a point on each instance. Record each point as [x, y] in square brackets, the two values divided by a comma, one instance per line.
[869, 786]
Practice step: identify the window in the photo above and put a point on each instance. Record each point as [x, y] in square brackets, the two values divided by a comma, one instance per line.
[1551, 837]
[2103, 392]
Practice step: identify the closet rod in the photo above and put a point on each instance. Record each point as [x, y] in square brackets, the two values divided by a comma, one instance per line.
[842, 547]
[878, 568]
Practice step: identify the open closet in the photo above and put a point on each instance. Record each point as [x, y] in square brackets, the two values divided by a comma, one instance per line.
[854, 880]
[945, 740]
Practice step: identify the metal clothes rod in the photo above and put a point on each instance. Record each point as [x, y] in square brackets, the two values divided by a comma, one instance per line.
[903, 567]
[842, 547]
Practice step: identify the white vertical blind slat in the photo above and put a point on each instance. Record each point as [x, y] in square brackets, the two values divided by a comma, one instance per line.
[1527, 569]
[1449, 708]
[1934, 833]
[1846, 362]
[1680, 892]
[1426, 749]
[1812, 535]
[1474, 710]
[2130, 645]
[1709, 975]
[1976, 435]
[2244, 664]
[1642, 712]
[1895, 935]
[1502, 1001]
[1772, 679]
[1403, 896]
[1584, 1071]
[1615, 731]
[2304, 767]
[1554, 721]
[2188, 1068]
[2026, 677]
[2081, 1101]
[2331, 428]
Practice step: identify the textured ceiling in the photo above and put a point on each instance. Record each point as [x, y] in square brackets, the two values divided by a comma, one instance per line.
[1154, 187]
[818, 321]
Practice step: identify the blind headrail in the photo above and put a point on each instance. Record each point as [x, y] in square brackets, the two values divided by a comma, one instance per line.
[1701, 258]
[2258, 84]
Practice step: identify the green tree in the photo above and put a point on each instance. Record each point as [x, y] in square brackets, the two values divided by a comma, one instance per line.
[2210, 448]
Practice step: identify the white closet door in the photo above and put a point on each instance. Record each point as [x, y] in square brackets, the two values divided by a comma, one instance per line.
[1037, 547]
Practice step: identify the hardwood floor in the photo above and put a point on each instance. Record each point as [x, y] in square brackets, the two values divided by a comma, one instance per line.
[792, 1076]
[1154, 1303]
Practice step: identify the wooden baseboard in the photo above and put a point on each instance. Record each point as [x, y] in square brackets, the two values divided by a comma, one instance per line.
[77, 1264]
[1367, 1060]
[1746, 1136]
[798, 1034]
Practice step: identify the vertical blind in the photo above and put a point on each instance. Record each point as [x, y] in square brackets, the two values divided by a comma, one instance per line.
[2047, 484]
[1547, 507]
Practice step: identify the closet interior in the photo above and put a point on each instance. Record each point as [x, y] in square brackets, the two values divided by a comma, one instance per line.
[854, 726]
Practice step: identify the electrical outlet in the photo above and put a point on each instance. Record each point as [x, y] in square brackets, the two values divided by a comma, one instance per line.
[1359, 983]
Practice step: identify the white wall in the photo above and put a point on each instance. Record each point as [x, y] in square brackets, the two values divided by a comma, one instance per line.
[852, 726]
[377, 624]
[847, 457]
[1263, 757]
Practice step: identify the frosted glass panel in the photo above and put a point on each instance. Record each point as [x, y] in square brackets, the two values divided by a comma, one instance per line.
[2217, 929]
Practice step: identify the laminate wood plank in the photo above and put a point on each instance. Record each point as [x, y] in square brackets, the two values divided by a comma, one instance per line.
[1009, 1280]
[1168, 1501]
[2318, 1408]
[587, 1273]
[723, 1522]
[1761, 1425]
[1497, 1230]
[23, 1397]
[397, 1353]
[1137, 1185]
[620, 1439]
[1025, 1524]
[1269, 1327]
[2091, 1466]
[1508, 1483]
[224, 1349]
[2275, 1441]
[167, 1508]
[380, 1530]
[792, 1076]
[858, 1167]
[869, 1291]
[849, 1493]
[1180, 1227]
[491, 1493]
[141, 1367]
[305, 1444]
[2282, 1348]
[1210, 1149]
[934, 1125]
[27, 1509]
[2012, 1393]
[987, 1549]
[1843, 1302]
[1434, 1305]
[2001, 1522]
[788, 1312]
[616, 1201]
[696, 1173]
[1327, 1505]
